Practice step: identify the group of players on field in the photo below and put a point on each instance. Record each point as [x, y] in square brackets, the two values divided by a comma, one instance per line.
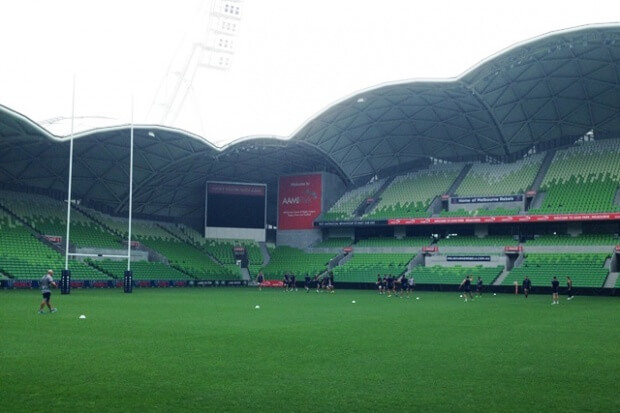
[325, 282]
[387, 284]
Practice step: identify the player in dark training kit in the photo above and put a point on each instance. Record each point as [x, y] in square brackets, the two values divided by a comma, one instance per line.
[404, 285]
[330, 283]
[259, 280]
[380, 283]
[411, 285]
[527, 286]
[317, 279]
[569, 288]
[466, 285]
[390, 285]
[479, 287]
[307, 283]
[555, 285]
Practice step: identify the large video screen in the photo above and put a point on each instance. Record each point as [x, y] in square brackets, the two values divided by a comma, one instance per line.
[232, 205]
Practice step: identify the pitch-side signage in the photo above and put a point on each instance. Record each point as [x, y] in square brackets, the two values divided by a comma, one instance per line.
[485, 199]
[507, 218]
[468, 258]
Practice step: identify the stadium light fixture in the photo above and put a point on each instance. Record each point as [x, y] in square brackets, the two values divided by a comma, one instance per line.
[213, 50]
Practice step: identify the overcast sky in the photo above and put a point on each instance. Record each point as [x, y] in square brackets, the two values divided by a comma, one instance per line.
[292, 59]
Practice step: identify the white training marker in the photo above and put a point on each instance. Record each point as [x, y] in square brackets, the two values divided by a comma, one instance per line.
[82, 317]
[353, 302]
[257, 307]
[417, 298]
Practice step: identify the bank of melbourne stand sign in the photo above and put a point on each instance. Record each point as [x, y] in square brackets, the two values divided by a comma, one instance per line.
[299, 201]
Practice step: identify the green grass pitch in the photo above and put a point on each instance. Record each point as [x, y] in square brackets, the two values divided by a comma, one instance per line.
[211, 350]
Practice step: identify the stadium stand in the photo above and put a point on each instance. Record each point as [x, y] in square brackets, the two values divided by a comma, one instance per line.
[189, 259]
[345, 207]
[409, 196]
[223, 251]
[586, 270]
[295, 261]
[382, 242]
[482, 212]
[142, 270]
[568, 240]
[334, 243]
[454, 275]
[500, 179]
[582, 179]
[48, 216]
[23, 256]
[365, 267]
[474, 241]
[220, 249]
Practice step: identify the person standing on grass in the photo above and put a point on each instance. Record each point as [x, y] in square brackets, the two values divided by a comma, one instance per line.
[479, 287]
[259, 279]
[466, 286]
[307, 282]
[411, 285]
[286, 281]
[332, 286]
[527, 286]
[555, 284]
[390, 285]
[318, 282]
[569, 288]
[325, 283]
[380, 283]
[404, 285]
[47, 281]
[293, 285]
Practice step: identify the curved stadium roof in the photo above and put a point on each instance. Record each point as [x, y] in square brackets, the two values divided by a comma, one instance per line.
[544, 92]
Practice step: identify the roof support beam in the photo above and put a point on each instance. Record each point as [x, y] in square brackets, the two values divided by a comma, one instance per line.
[496, 122]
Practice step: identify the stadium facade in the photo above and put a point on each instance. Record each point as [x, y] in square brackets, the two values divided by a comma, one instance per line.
[542, 93]
[533, 123]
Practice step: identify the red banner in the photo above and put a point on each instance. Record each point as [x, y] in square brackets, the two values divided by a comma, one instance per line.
[347, 249]
[430, 249]
[272, 283]
[617, 248]
[513, 248]
[299, 201]
[506, 218]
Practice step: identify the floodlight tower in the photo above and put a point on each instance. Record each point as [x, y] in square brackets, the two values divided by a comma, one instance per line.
[214, 49]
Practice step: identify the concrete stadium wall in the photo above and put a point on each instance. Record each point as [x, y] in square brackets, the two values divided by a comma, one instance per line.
[489, 205]
[299, 238]
[442, 260]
